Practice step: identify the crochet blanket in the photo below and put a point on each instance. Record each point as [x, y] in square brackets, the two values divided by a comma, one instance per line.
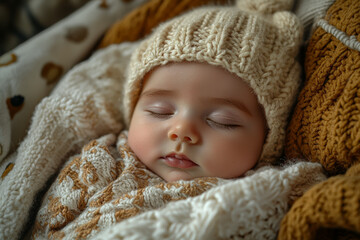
[104, 185]
[84, 106]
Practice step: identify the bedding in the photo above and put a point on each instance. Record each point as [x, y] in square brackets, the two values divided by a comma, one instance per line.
[103, 185]
[149, 16]
[39, 157]
[29, 72]
[330, 96]
[20, 20]
[325, 128]
[85, 105]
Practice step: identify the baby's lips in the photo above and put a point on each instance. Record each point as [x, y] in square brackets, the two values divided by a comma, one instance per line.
[179, 161]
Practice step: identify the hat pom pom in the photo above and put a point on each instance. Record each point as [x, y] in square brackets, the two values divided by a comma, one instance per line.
[265, 6]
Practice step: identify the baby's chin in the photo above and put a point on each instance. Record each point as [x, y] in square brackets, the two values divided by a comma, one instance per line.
[174, 176]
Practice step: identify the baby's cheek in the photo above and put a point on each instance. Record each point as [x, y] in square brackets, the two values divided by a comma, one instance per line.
[136, 142]
[230, 161]
[141, 141]
[215, 162]
[134, 136]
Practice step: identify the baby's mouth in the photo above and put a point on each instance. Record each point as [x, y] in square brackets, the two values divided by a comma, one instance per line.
[178, 161]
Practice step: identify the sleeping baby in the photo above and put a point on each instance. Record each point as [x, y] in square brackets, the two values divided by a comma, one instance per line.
[206, 99]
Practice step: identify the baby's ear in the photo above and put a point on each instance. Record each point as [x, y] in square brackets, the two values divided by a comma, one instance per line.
[291, 30]
[265, 6]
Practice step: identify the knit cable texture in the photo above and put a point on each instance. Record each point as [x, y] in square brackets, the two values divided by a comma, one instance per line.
[325, 209]
[325, 128]
[325, 124]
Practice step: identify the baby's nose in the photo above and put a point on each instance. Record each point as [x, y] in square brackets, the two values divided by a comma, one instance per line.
[183, 133]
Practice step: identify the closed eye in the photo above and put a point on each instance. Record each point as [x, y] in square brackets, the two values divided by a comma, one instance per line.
[215, 124]
[161, 115]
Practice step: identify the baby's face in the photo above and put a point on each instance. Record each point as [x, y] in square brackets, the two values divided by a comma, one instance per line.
[195, 120]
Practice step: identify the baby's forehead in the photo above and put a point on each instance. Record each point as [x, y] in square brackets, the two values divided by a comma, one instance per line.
[192, 71]
[197, 82]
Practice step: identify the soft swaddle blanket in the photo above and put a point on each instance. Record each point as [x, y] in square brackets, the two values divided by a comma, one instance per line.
[104, 185]
[85, 106]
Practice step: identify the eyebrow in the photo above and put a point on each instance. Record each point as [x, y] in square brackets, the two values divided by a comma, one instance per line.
[157, 92]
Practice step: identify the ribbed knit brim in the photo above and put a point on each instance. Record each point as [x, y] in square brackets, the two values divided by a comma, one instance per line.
[260, 49]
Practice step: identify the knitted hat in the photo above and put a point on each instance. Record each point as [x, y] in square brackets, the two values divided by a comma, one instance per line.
[251, 40]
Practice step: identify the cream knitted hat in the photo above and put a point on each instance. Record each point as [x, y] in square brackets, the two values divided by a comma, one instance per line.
[258, 41]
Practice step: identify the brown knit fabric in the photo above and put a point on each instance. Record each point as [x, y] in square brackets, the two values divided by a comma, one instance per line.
[142, 20]
[329, 210]
[325, 126]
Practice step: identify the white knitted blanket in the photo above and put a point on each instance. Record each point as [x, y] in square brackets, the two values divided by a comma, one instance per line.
[86, 105]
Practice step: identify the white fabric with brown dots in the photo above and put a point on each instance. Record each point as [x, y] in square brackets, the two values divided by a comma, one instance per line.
[29, 72]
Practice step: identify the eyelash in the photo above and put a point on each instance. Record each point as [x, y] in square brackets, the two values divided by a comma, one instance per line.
[222, 126]
[159, 115]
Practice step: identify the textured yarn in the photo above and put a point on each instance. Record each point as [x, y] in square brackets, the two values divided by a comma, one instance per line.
[325, 126]
[247, 208]
[329, 210]
[103, 185]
